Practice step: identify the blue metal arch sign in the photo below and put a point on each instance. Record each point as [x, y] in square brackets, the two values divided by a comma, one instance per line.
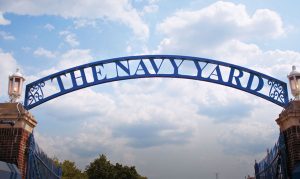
[147, 66]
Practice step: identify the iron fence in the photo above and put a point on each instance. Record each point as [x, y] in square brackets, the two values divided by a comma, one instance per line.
[39, 165]
[274, 165]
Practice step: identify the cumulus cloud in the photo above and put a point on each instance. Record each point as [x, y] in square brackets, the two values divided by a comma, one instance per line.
[79, 23]
[74, 57]
[3, 21]
[70, 38]
[276, 63]
[149, 6]
[216, 24]
[152, 8]
[224, 31]
[152, 134]
[146, 118]
[49, 27]
[44, 53]
[121, 11]
[6, 36]
[82, 147]
[8, 66]
[70, 58]
[103, 112]
[26, 49]
[143, 119]
[155, 120]
[89, 105]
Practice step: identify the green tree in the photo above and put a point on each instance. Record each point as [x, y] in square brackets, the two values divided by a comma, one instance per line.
[69, 169]
[56, 161]
[101, 168]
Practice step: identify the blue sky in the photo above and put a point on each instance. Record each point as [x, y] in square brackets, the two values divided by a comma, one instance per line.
[167, 128]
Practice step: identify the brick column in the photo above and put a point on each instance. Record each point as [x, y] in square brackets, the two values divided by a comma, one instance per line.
[14, 138]
[289, 123]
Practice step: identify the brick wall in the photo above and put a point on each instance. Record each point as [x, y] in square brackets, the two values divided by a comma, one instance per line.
[292, 139]
[289, 122]
[13, 147]
[14, 140]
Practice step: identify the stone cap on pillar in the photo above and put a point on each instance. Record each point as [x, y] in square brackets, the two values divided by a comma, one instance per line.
[16, 113]
[290, 116]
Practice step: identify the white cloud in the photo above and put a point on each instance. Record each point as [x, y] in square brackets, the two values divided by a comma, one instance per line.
[6, 36]
[74, 57]
[152, 8]
[153, 100]
[79, 23]
[70, 38]
[8, 66]
[89, 104]
[49, 27]
[129, 49]
[26, 49]
[223, 31]
[3, 21]
[143, 119]
[44, 53]
[153, 1]
[119, 10]
[156, 112]
[182, 125]
[276, 63]
[69, 59]
[216, 24]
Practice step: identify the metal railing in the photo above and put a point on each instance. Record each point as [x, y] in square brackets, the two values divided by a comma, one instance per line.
[39, 165]
[274, 165]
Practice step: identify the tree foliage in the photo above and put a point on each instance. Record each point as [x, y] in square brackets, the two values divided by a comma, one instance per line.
[69, 170]
[101, 168]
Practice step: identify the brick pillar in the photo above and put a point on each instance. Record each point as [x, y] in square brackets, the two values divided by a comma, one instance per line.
[289, 123]
[14, 138]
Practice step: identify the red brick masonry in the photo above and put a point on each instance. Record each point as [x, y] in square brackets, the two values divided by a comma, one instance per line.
[13, 147]
[14, 139]
[289, 122]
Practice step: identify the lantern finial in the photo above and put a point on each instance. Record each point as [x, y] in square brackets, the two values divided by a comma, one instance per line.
[294, 79]
[15, 85]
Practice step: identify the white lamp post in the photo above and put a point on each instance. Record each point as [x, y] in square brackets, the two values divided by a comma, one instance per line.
[294, 79]
[15, 85]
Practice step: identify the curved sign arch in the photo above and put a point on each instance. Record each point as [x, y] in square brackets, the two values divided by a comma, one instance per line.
[147, 66]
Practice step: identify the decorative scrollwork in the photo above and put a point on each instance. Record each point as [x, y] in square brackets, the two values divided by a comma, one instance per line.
[35, 93]
[276, 91]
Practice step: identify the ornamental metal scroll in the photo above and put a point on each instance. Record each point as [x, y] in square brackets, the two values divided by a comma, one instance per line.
[148, 66]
